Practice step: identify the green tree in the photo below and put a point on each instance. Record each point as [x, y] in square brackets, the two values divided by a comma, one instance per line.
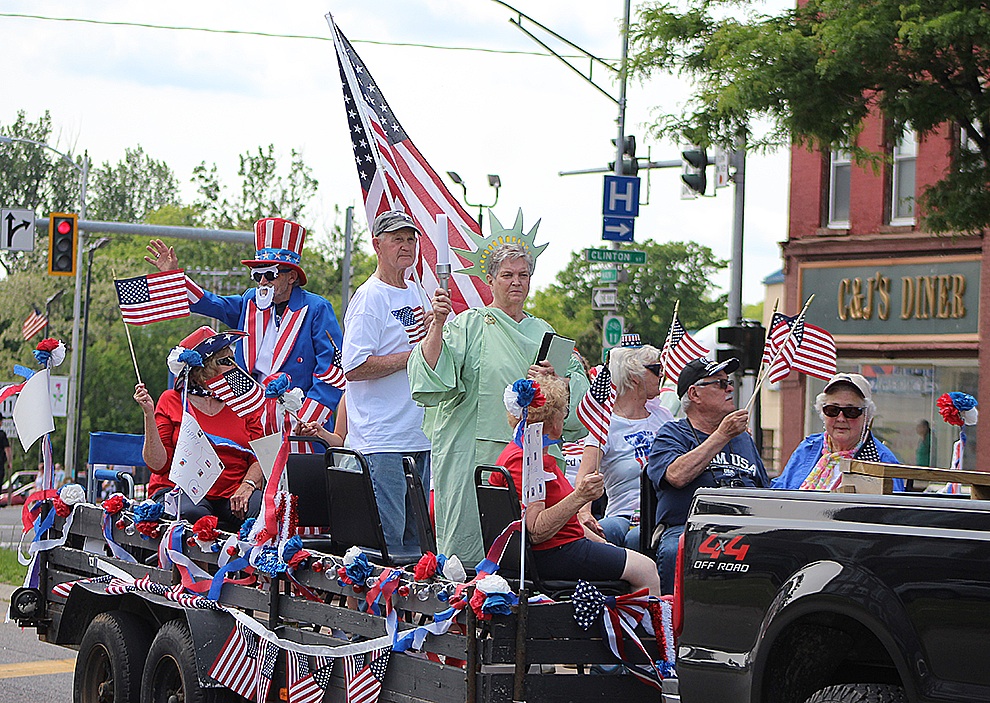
[132, 189]
[674, 271]
[814, 72]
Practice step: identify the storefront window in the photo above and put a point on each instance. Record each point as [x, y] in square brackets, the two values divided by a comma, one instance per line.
[905, 395]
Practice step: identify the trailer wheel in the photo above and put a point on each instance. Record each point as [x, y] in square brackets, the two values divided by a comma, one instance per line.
[111, 654]
[860, 693]
[170, 672]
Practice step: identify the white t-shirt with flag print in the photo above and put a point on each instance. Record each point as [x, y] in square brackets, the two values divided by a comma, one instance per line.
[625, 453]
[381, 320]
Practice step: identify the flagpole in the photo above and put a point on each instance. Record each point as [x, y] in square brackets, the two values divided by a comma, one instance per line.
[764, 368]
[666, 344]
[780, 350]
[127, 331]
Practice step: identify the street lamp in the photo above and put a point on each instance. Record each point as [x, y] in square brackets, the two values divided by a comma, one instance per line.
[493, 180]
[73, 399]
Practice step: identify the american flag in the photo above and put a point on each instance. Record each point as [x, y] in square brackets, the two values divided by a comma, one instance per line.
[153, 298]
[364, 682]
[236, 667]
[679, 349]
[810, 349]
[238, 391]
[267, 656]
[412, 320]
[595, 409]
[395, 176]
[34, 323]
[307, 685]
[334, 375]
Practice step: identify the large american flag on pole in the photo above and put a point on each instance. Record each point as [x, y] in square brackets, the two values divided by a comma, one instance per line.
[679, 349]
[595, 408]
[395, 176]
[152, 298]
[809, 349]
[238, 391]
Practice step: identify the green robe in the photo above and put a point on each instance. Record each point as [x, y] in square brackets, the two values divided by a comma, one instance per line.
[483, 351]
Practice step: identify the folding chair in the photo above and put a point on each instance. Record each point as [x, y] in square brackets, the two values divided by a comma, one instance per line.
[306, 475]
[113, 449]
[420, 506]
[354, 516]
[647, 515]
[498, 507]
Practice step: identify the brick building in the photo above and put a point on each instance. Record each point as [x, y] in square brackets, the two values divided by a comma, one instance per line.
[906, 307]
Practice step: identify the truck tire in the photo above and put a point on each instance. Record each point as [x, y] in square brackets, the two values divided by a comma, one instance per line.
[111, 656]
[860, 693]
[170, 672]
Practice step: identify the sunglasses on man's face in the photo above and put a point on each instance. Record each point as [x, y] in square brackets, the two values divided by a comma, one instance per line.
[850, 411]
[260, 276]
[723, 383]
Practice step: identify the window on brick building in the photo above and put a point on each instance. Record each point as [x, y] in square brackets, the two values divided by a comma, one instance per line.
[902, 179]
[840, 171]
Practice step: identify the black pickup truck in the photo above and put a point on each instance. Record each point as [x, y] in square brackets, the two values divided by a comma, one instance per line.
[788, 597]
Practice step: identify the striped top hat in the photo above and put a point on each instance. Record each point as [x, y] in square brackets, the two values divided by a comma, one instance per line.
[279, 243]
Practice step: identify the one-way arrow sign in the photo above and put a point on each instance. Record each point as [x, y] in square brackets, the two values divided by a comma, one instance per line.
[617, 229]
[604, 298]
[16, 229]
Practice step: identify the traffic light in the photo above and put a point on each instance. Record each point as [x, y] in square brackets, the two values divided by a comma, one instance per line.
[693, 171]
[630, 164]
[745, 342]
[63, 238]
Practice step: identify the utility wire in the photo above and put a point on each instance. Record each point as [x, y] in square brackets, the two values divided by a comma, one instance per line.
[272, 35]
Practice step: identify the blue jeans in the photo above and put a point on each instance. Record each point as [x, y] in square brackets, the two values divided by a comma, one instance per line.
[667, 557]
[617, 532]
[394, 506]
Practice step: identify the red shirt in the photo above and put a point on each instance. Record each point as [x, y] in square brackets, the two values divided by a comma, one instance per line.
[557, 490]
[226, 423]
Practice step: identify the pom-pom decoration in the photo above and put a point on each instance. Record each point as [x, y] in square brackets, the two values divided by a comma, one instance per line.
[277, 387]
[246, 528]
[958, 408]
[292, 400]
[72, 493]
[180, 359]
[115, 504]
[146, 517]
[522, 394]
[50, 350]
[62, 509]
[293, 553]
[453, 570]
[426, 567]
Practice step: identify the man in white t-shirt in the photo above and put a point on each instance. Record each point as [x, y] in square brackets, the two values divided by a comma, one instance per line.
[384, 320]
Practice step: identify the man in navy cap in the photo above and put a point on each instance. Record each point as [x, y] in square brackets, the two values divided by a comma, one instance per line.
[710, 448]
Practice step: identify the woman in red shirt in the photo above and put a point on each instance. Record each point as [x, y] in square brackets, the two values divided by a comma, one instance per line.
[237, 492]
[562, 547]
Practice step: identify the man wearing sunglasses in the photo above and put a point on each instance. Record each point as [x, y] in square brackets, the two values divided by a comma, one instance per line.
[289, 329]
[710, 448]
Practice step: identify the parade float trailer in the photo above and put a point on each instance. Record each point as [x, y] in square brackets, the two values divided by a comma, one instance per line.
[298, 635]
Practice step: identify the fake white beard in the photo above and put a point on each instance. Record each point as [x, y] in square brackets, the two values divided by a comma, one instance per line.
[263, 297]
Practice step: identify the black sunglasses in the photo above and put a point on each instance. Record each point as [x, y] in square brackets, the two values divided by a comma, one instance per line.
[260, 276]
[225, 361]
[654, 369]
[723, 383]
[850, 411]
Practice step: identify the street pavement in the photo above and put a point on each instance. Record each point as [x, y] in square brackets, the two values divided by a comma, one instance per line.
[30, 670]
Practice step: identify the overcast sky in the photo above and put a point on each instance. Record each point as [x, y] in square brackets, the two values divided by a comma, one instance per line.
[188, 97]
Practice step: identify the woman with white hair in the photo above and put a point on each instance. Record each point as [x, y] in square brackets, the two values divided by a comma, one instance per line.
[635, 371]
[846, 407]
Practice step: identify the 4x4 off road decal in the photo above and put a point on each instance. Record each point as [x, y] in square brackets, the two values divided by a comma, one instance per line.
[723, 553]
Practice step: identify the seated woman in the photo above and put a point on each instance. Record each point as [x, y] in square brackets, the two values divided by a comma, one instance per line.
[562, 547]
[237, 493]
[635, 371]
[847, 409]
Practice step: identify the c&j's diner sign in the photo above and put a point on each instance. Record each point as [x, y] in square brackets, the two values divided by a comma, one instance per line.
[895, 297]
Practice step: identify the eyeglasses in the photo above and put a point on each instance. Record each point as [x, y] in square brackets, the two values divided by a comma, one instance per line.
[259, 276]
[723, 383]
[225, 361]
[653, 369]
[850, 411]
